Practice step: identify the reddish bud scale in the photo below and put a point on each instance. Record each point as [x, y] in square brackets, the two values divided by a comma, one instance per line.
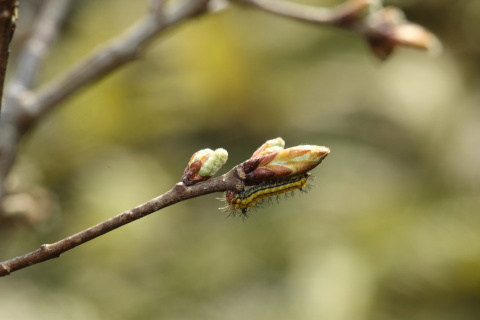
[190, 175]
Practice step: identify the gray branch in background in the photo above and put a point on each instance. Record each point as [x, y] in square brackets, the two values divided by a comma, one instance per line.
[8, 18]
[115, 53]
[44, 32]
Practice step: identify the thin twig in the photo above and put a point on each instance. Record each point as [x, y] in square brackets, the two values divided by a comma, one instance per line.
[383, 28]
[336, 16]
[229, 181]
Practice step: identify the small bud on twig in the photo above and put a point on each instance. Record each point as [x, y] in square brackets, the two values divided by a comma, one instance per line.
[203, 164]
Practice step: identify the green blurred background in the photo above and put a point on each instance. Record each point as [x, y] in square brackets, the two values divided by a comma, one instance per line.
[390, 231]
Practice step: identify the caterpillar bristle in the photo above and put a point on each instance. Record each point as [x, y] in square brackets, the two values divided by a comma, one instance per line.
[262, 194]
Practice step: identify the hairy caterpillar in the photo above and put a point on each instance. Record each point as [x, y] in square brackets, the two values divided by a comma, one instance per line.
[254, 195]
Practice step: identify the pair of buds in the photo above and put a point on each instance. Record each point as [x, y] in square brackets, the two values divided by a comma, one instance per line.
[270, 161]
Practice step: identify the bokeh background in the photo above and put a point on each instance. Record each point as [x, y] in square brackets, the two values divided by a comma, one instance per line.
[391, 229]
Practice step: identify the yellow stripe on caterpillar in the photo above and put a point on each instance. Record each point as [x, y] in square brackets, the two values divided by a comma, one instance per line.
[254, 195]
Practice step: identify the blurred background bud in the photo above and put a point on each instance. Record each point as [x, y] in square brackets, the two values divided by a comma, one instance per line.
[388, 28]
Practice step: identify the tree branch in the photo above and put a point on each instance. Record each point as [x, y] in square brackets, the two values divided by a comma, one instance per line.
[228, 181]
[44, 31]
[270, 162]
[8, 17]
[24, 108]
[116, 53]
[383, 28]
[305, 13]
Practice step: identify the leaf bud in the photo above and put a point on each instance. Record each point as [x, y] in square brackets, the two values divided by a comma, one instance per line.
[203, 164]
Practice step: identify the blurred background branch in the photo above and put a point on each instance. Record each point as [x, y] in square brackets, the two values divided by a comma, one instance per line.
[36, 48]
[14, 114]
[119, 51]
[8, 17]
[383, 28]
[24, 107]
